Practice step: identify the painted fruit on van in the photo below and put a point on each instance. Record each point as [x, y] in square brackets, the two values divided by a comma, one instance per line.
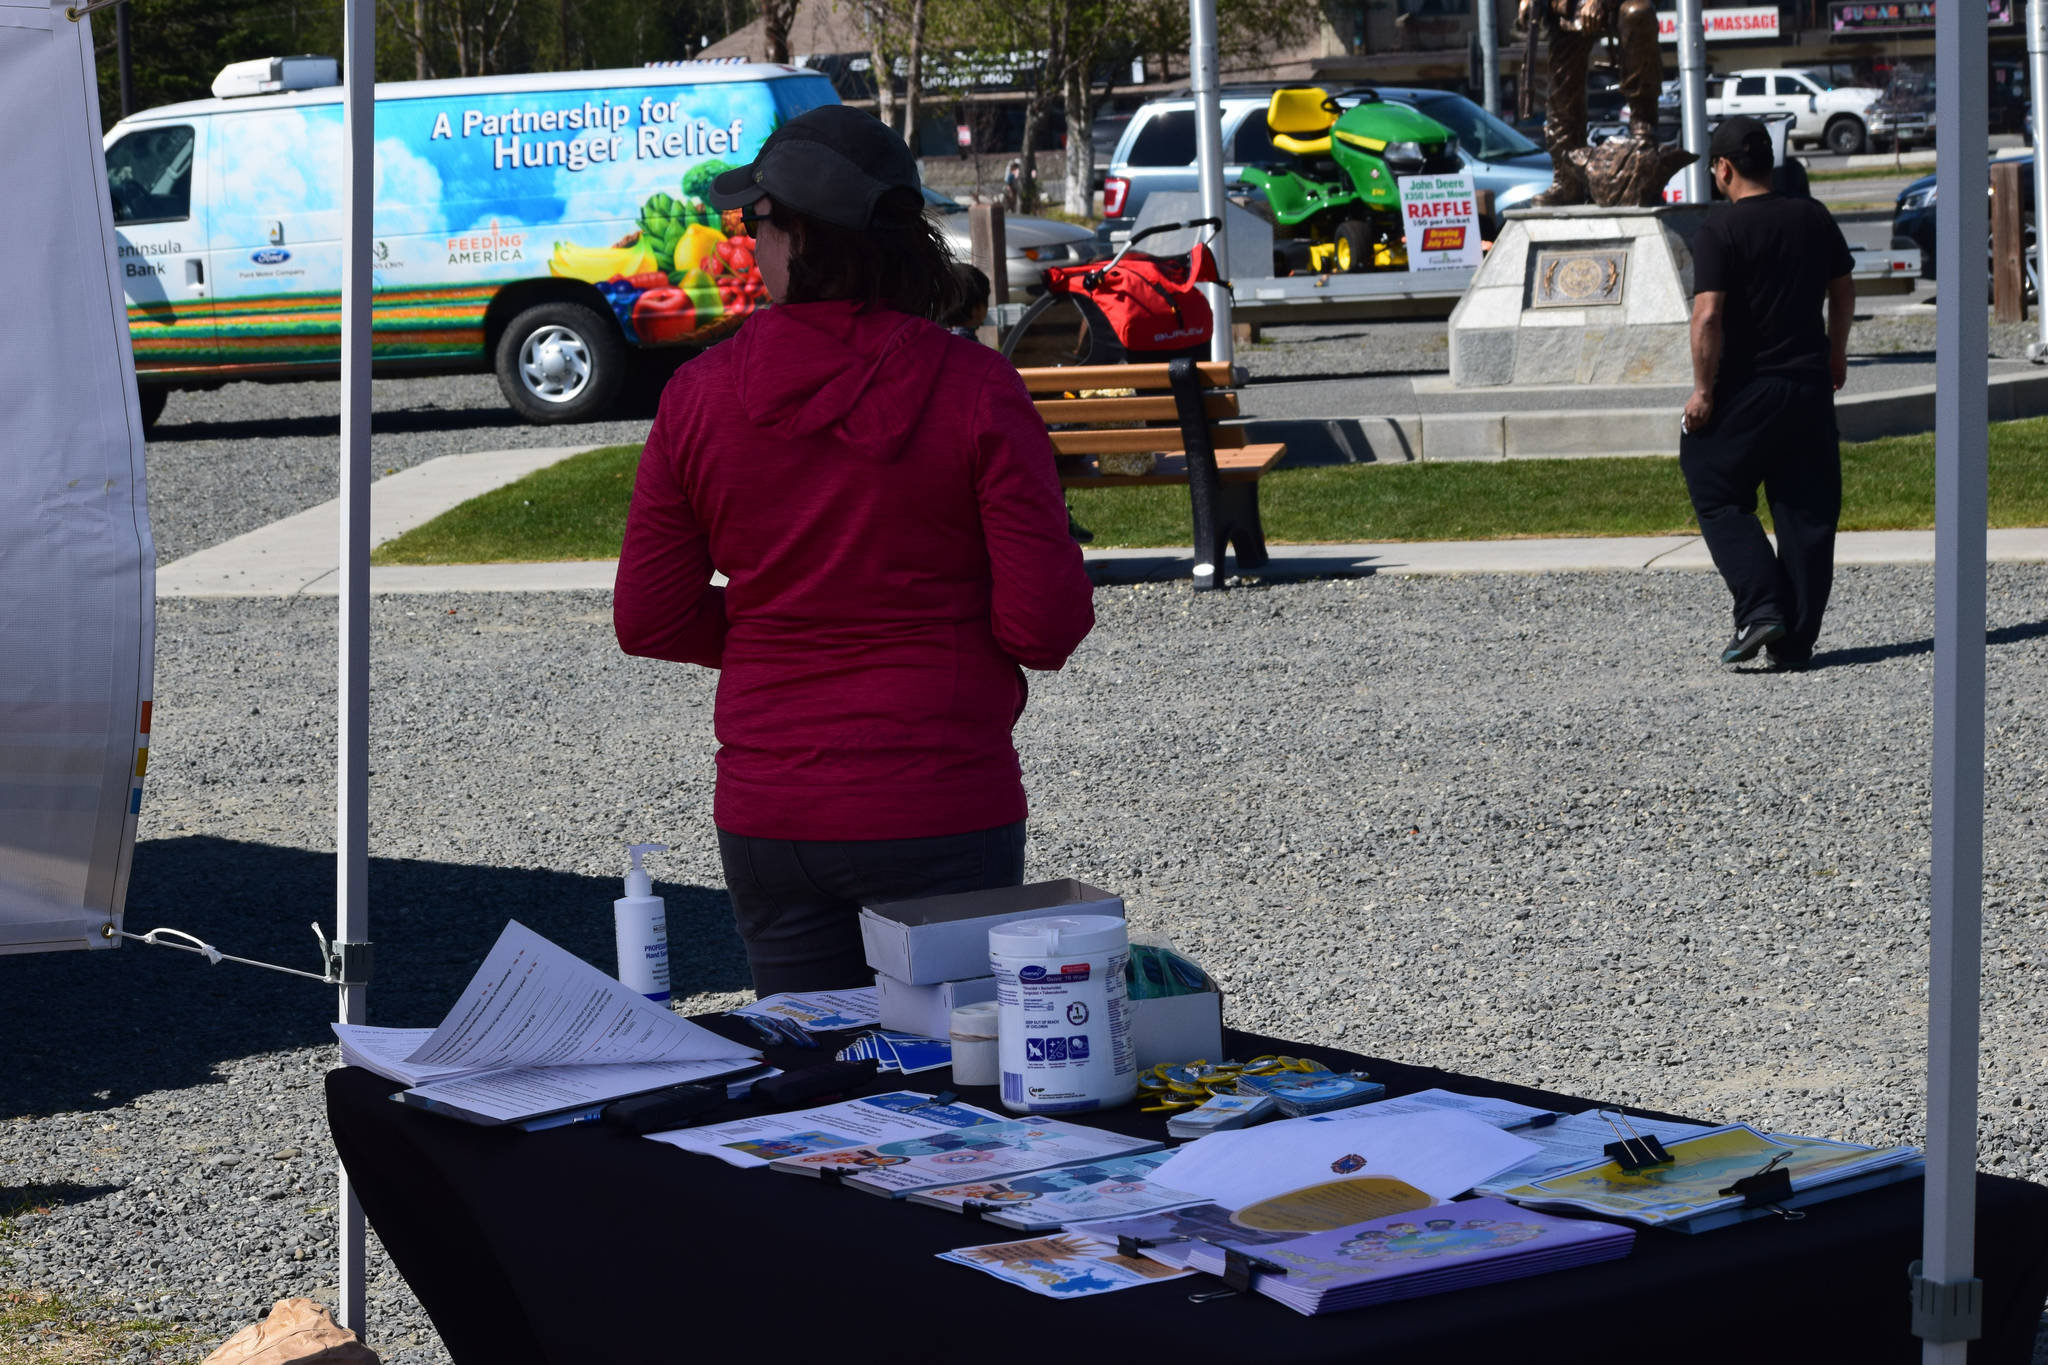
[588, 188]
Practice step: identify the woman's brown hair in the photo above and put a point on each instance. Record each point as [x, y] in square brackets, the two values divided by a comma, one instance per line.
[899, 260]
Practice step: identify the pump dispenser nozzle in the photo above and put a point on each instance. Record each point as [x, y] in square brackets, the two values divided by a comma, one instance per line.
[638, 883]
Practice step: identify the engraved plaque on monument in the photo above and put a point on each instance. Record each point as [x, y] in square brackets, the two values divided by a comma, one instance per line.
[1577, 278]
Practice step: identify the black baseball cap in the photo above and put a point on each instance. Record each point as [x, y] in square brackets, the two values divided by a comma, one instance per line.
[1744, 141]
[831, 162]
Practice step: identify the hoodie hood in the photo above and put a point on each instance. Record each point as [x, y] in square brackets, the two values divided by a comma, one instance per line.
[858, 376]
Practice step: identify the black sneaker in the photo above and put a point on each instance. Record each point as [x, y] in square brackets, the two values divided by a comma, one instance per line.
[1744, 644]
[1787, 661]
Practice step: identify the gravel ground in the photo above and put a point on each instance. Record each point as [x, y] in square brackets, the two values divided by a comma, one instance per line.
[1512, 825]
[226, 461]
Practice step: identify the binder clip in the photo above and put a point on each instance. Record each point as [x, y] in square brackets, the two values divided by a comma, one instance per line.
[1127, 1245]
[974, 1208]
[831, 1175]
[1238, 1268]
[1767, 1187]
[1634, 1151]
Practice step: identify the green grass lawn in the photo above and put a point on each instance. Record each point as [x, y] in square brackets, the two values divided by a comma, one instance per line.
[577, 509]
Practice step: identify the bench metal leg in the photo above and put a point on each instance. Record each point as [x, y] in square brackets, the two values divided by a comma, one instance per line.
[1247, 534]
[1205, 488]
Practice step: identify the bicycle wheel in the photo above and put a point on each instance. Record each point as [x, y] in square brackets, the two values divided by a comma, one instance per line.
[1061, 329]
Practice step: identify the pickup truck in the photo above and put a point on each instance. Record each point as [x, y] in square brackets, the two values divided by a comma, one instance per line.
[1842, 118]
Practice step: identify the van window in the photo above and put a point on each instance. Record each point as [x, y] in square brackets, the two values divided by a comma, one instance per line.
[149, 174]
[1167, 140]
[1253, 145]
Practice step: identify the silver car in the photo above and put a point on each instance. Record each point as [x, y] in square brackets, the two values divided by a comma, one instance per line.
[1031, 244]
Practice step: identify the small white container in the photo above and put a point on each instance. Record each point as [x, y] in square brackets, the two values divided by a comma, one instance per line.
[972, 1029]
[1063, 1020]
[641, 922]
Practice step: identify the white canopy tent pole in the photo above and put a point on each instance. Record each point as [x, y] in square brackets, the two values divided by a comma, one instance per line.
[1947, 1296]
[352, 777]
[1209, 159]
[1692, 100]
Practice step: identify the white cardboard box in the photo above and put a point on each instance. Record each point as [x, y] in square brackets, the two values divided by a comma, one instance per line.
[945, 938]
[928, 1010]
[1178, 1028]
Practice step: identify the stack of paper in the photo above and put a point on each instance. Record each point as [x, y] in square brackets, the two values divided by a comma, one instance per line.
[1579, 1139]
[815, 1011]
[1120, 1187]
[1311, 1092]
[1066, 1266]
[1405, 1256]
[876, 1118]
[539, 1031]
[987, 1151]
[1171, 1236]
[1221, 1114]
[1688, 1193]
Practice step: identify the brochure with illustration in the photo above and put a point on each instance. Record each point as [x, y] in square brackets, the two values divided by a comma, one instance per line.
[1064, 1266]
[818, 1011]
[1120, 1187]
[1579, 1139]
[1405, 1256]
[992, 1151]
[1687, 1194]
[851, 1123]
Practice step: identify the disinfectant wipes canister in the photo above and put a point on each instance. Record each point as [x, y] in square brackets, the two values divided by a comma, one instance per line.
[1064, 1023]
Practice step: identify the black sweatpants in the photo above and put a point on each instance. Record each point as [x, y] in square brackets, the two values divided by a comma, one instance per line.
[797, 901]
[1778, 433]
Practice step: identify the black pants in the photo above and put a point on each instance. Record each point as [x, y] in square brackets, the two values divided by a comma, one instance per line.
[797, 902]
[1778, 433]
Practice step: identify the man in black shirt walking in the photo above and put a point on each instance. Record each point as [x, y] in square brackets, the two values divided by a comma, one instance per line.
[1762, 410]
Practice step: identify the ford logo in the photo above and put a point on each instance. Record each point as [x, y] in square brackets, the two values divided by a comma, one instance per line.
[270, 256]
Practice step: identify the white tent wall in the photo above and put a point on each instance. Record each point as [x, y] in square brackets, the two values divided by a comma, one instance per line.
[77, 566]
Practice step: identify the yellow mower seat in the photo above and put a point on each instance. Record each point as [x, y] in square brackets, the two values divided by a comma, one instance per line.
[1296, 111]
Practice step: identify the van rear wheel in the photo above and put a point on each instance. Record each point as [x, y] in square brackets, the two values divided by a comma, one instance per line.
[560, 362]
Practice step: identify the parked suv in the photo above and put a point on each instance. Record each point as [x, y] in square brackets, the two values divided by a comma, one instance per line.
[1157, 151]
[1843, 119]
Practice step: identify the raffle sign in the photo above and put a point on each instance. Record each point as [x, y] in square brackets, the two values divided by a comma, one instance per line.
[1440, 215]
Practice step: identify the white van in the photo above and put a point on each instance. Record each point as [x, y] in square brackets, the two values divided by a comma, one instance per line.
[540, 226]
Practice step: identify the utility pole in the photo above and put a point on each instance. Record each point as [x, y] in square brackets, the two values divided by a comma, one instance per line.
[2037, 96]
[1692, 100]
[124, 59]
[1489, 55]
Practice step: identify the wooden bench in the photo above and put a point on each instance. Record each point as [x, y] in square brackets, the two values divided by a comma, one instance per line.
[1180, 403]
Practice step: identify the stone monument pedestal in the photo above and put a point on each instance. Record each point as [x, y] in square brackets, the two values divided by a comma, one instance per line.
[1578, 296]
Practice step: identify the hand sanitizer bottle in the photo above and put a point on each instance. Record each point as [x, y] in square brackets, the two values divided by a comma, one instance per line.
[642, 923]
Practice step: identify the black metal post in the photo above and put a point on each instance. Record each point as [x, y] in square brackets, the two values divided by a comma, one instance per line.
[123, 60]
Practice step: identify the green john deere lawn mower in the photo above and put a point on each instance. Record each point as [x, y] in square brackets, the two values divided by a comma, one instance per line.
[1336, 204]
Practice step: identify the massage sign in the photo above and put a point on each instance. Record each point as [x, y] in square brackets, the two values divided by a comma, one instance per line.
[1440, 214]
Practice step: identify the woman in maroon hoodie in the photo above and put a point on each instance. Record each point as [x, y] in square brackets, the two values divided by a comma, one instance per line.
[881, 498]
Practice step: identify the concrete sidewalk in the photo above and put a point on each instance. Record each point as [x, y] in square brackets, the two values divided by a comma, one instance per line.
[1634, 553]
[302, 553]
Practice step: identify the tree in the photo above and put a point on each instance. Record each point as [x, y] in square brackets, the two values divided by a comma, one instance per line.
[776, 17]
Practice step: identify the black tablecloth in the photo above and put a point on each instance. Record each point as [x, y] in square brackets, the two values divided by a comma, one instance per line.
[580, 1245]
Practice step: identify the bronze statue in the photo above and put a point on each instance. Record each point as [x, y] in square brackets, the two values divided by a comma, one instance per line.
[1631, 169]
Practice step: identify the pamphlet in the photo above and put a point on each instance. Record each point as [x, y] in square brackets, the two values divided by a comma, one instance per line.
[1064, 1266]
[1432, 1156]
[908, 1053]
[1405, 1256]
[1121, 1187]
[1578, 1139]
[1168, 1237]
[991, 1150]
[535, 1004]
[818, 1011]
[1687, 1194]
[1499, 1113]
[851, 1123]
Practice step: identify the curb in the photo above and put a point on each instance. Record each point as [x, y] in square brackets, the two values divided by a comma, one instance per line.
[1576, 433]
